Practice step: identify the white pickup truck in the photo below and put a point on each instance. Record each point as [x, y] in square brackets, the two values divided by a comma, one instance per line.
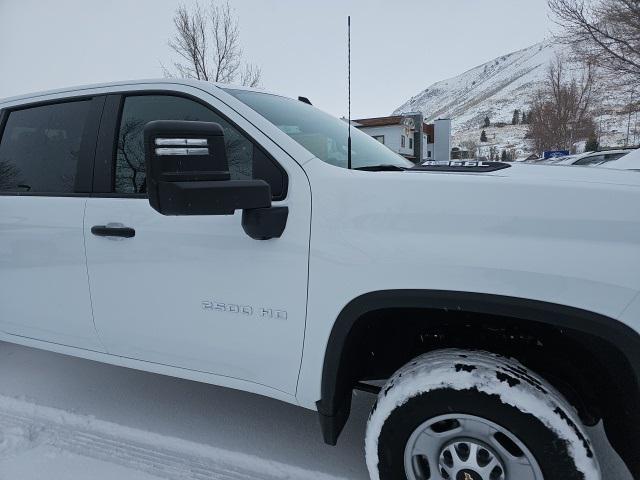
[213, 233]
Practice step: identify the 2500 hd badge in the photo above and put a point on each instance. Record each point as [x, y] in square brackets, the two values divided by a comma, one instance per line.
[247, 310]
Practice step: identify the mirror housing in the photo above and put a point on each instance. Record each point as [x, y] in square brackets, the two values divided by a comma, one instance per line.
[188, 172]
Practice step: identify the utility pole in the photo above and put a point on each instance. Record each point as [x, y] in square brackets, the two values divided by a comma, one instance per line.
[600, 131]
[626, 142]
[349, 89]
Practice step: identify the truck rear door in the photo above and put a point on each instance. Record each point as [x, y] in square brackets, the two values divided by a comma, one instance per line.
[46, 161]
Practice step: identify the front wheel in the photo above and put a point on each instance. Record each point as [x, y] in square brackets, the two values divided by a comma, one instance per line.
[461, 415]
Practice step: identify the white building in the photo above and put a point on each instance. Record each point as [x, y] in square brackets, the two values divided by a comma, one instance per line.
[441, 146]
[402, 134]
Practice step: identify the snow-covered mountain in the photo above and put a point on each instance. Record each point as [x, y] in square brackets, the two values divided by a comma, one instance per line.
[496, 88]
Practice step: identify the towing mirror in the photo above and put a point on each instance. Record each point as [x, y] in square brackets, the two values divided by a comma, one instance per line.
[188, 174]
[188, 171]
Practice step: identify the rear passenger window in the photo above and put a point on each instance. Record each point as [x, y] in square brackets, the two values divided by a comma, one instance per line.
[40, 147]
[246, 160]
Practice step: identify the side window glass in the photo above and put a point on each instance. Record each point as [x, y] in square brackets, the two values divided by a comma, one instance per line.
[246, 161]
[40, 147]
[593, 160]
[613, 156]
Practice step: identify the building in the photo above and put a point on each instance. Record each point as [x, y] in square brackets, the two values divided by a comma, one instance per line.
[410, 136]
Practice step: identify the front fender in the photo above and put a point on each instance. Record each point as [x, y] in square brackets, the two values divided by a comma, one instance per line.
[336, 386]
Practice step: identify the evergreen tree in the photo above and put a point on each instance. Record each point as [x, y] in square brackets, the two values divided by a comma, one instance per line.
[487, 122]
[516, 117]
[592, 144]
[483, 136]
[503, 156]
[524, 119]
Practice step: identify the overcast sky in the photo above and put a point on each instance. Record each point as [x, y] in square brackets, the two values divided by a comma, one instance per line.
[399, 47]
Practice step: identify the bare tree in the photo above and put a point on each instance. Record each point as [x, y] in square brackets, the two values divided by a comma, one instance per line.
[562, 109]
[250, 76]
[603, 33]
[207, 42]
[471, 147]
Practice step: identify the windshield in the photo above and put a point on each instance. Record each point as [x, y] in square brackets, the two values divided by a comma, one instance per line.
[320, 133]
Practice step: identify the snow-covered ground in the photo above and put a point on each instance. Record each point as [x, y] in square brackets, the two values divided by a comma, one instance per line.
[63, 418]
[507, 138]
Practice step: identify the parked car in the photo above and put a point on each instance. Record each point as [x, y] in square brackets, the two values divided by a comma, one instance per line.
[630, 161]
[214, 233]
[588, 159]
[566, 160]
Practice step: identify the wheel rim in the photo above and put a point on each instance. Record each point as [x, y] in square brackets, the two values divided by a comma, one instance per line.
[466, 447]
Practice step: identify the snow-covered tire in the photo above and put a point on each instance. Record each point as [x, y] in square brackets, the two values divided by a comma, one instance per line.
[503, 411]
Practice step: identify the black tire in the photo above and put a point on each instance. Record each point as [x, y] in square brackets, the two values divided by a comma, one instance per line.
[410, 408]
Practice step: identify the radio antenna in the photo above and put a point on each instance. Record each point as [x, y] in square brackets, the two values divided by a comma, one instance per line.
[349, 88]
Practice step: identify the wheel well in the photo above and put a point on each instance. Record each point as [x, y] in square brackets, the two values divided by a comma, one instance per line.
[575, 363]
[592, 368]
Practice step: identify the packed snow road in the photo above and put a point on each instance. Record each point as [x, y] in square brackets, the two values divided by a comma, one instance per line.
[64, 418]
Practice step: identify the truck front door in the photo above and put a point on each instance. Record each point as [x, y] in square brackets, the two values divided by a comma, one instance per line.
[197, 292]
